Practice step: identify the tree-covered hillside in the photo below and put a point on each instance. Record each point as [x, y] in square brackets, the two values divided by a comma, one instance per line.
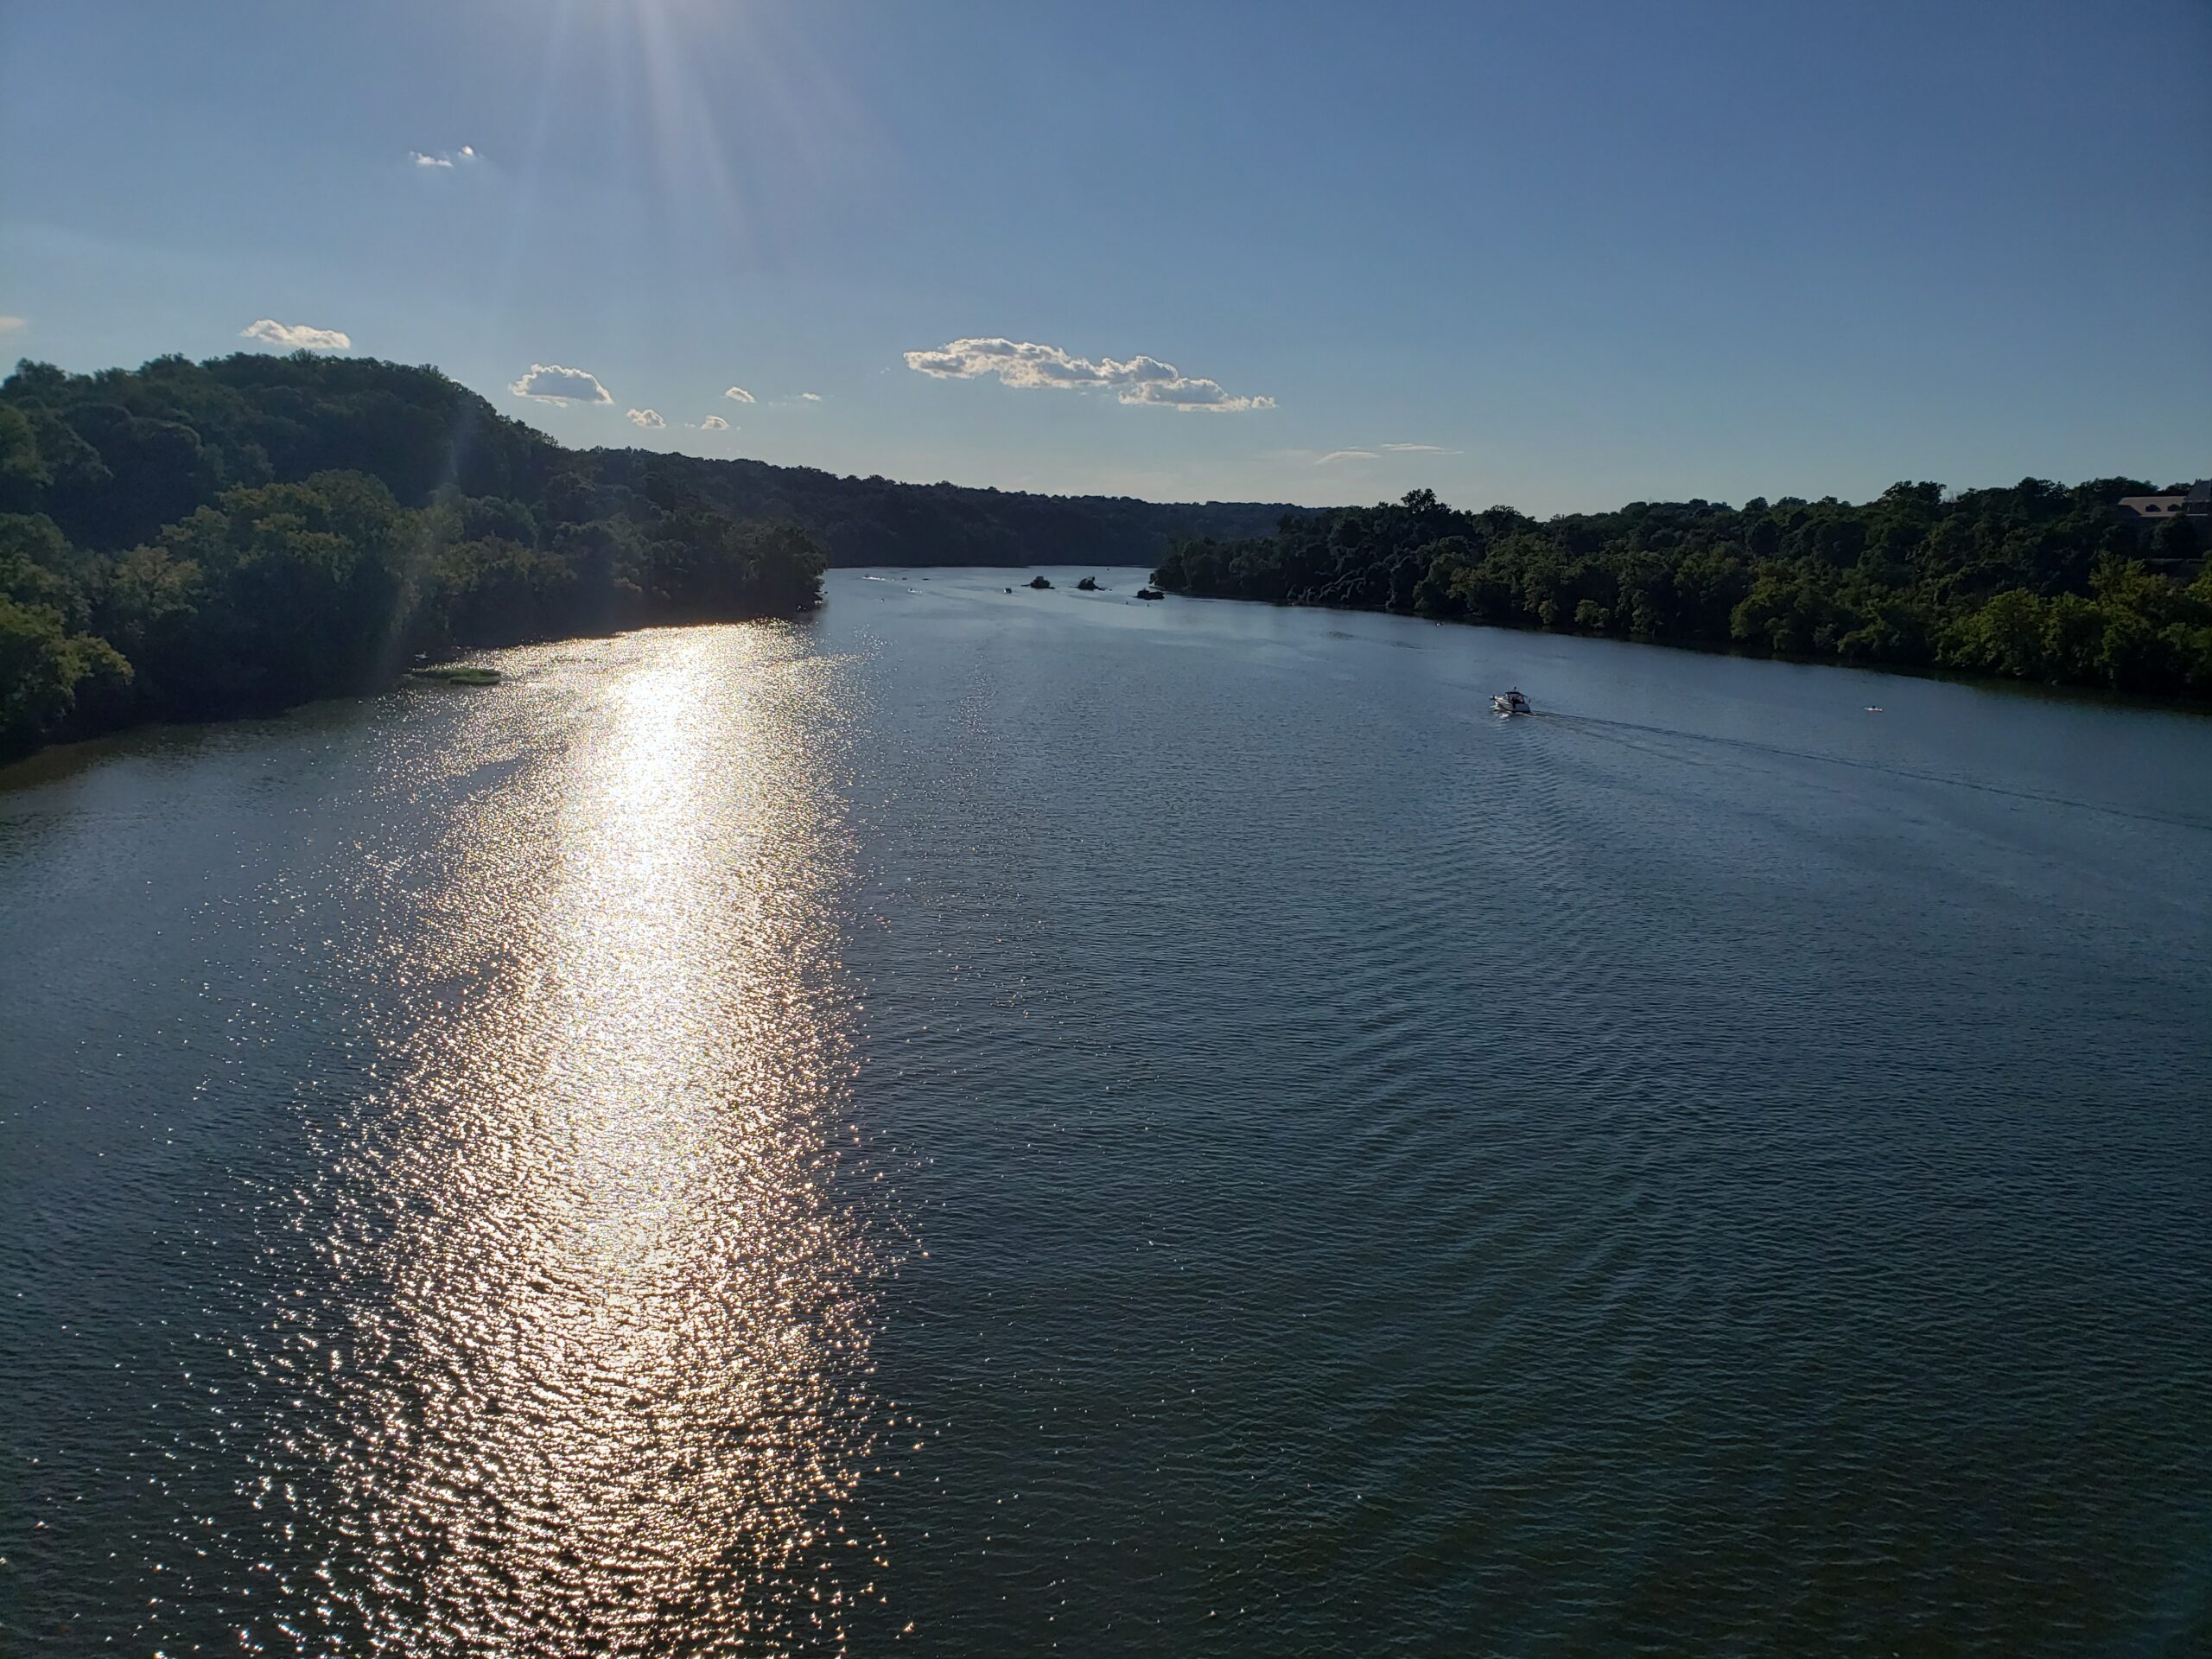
[2035, 582]
[122, 453]
[194, 539]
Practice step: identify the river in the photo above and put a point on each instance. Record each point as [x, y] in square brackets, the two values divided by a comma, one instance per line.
[987, 1123]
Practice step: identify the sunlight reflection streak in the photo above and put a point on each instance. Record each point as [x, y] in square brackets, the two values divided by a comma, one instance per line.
[611, 1326]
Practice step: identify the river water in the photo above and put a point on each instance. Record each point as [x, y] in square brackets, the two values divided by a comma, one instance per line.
[994, 1123]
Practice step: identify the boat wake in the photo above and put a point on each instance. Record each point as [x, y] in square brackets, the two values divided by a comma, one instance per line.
[1627, 733]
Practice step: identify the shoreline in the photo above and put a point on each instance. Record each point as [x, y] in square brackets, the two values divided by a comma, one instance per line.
[2054, 690]
[12, 768]
[16, 771]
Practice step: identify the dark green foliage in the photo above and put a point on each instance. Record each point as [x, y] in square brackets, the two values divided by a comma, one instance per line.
[875, 521]
[43, 670]
[193, 540]
[114, 457]
[2035, 582]
[49, 661]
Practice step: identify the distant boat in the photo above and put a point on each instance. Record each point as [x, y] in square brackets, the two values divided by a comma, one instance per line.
[1511, 702]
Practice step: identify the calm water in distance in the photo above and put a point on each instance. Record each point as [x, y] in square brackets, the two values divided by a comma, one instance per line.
[987, 1124]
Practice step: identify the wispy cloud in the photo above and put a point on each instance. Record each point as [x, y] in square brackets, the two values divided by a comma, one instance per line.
[714, 424]
[443, 157]
[649, 418]
[1026, 365]
[810, 396]
[296, 336]
[738, 395]
[7, 324]
[548, 383]
[1377, 452]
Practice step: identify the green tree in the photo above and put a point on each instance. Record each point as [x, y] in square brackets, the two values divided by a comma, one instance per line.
[42, 666]
[24, 472]
[2008, 635]
[2177, 539]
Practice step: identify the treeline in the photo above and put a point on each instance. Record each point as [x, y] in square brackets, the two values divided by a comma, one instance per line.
[193, 541]
[878, 521]
[186, 540]
[2035, 581]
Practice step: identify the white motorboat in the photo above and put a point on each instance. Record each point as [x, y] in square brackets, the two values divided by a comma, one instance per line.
[1511, 702]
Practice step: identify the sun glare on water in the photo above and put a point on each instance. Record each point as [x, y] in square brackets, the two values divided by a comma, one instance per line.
[607, 1390]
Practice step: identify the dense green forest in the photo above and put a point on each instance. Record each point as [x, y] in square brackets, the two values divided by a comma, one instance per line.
[187, 540]
[2035, 582]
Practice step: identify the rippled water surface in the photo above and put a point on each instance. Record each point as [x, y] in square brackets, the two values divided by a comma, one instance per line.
[994, 1123]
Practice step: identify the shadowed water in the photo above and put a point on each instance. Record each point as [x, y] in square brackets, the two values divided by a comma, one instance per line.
[1003, 1123]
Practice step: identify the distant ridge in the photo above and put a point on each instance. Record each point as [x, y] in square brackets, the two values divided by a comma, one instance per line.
[878, 520]
[132, 450]
[189, 541]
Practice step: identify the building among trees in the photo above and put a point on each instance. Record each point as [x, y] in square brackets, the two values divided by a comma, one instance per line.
[2148, 513]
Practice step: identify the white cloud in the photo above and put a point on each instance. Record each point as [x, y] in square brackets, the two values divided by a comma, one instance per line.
[648, 418]
[714, 424]
[1377, 452]
[548, 383]
[8, 324]
[737, 395]
[1026, 365]
[296, 336]
[442, 158]
[810, 396]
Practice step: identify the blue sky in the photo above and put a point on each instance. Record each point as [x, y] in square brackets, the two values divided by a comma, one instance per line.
[1559, 255]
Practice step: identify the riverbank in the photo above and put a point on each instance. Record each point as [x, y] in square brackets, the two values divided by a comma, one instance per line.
[190, 540]
[108, 722]
[2033, 582]
[2099, 697]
